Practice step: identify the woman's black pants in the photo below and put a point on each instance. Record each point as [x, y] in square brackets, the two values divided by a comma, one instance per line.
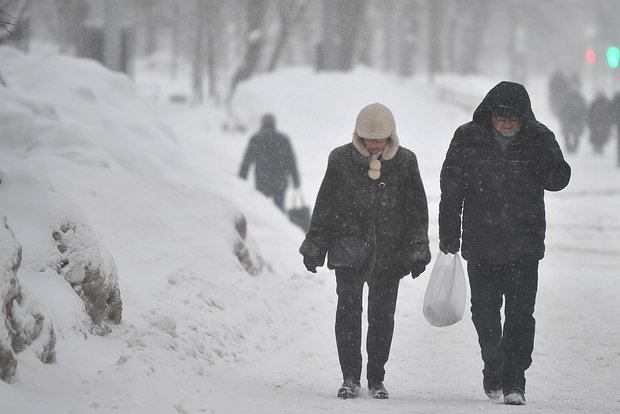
[382, 296]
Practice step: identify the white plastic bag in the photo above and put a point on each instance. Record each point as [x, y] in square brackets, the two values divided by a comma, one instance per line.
[444, 300]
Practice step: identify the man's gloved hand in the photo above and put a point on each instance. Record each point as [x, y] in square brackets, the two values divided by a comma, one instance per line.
[451, 246]
[311, 263]
[545, 163]
[417, 268]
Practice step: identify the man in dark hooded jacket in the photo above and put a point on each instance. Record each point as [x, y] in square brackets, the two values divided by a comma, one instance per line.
[371, 201]
[492, 182]
[272, 154]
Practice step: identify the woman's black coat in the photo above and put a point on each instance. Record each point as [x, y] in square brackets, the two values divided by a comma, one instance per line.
[398, 233]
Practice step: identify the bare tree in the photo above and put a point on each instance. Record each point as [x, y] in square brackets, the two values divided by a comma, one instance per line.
[290, 13]
[390, 33]
[175, 39]
[7, 21]
[198, 65]
[71, 15]
[213, 19]
[408, 21]
[11, 15]
[112, 34]
[341, 22]
[435, 48]
[254, 40]
[473, 33]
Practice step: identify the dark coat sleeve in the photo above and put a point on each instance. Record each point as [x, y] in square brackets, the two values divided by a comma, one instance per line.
[417, 215]
[552, 169]
[452, 190]
[249, 158]
[322, 223]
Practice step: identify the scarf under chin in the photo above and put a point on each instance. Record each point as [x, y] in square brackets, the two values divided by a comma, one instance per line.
[374, 170]
[389, 151]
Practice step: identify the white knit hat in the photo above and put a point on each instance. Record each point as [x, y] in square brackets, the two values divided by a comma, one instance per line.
[376, 121]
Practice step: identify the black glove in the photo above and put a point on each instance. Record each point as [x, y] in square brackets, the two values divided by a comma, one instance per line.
[449, 245]
[311, 263]
[543, 165]
[417, 269]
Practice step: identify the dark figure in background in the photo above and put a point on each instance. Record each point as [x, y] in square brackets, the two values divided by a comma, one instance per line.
[572, 115]
[493, 180]
[615, 104]
[600, 120]
[372, 191]
[272, 154]
[558, 85]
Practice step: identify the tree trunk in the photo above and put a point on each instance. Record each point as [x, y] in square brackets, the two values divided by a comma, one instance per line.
[12, 18]
[198, 66]
[341, 22]
[175, 40]
[517, 60]
[112, 34]
[408, 17]
[390, 35]
[71, 17]
[289, 16]
[213, 30]
[473, 36]
[434, 41]
[254, 39]
[151, 29]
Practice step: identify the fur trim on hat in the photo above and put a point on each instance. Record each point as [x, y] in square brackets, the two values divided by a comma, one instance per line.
[376, 121]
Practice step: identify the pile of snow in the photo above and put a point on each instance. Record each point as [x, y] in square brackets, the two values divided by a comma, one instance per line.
[57, 240]
[80, 118]
[195, 286]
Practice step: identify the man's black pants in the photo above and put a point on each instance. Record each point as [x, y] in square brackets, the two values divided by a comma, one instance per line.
[382, 296]
[506, 352]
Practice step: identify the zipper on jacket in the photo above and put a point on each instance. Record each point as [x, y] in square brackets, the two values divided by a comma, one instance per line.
[376, 204]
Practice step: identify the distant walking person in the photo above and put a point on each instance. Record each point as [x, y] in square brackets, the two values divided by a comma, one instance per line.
[493, 180]
[272, 155]
[371, 220]
[600, 120]
[573, 114]
[558, 85]
[616, 117]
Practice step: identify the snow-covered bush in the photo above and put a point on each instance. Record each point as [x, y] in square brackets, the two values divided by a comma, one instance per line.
[21, 322]
[10, 258]
[50, 251]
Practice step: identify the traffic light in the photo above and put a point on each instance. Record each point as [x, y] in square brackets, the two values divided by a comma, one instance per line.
[590, 57]
[613, 56]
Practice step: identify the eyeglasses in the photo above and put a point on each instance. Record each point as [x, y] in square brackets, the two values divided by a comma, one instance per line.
[378, 141]
[501, 118]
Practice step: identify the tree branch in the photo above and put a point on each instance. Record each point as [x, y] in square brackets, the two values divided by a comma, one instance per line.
[6, 20]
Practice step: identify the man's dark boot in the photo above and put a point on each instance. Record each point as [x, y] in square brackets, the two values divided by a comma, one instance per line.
[376, 389]
[350, 389]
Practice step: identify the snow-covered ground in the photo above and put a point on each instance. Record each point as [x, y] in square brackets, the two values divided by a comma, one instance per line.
[157, 183]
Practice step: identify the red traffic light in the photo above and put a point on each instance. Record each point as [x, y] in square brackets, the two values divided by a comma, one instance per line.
[590, 56]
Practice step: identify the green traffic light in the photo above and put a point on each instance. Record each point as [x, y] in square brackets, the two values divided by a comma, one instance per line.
[613, 57]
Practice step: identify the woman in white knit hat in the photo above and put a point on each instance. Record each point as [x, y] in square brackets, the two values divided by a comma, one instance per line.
[371, 221]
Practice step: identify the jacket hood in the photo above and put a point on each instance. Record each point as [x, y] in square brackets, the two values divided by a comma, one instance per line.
[375, 121]
[509, 96]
